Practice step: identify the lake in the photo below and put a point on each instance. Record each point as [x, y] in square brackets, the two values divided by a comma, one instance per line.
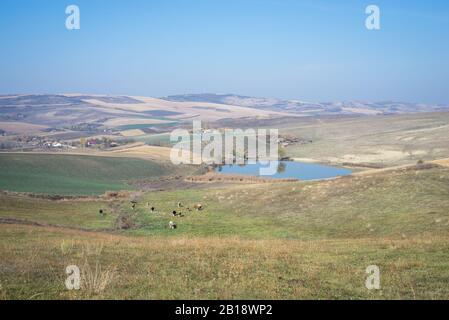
[288, 170]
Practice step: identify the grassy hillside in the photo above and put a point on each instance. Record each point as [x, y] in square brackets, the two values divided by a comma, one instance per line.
[286, 240]
[34, 260]
[71, 174]
[401, 203]
[75, 214]
[375, 140]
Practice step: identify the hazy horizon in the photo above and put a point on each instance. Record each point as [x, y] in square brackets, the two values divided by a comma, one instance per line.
[219, 94]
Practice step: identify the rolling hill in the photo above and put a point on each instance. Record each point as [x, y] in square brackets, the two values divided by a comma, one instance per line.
[302, 240]
[312, 108]
[96, 113]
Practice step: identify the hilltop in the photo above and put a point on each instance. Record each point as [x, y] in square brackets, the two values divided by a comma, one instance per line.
[311, 108]
[90, 112]
[103, 113]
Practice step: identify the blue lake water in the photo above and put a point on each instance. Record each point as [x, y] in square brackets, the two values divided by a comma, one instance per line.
[288, 170]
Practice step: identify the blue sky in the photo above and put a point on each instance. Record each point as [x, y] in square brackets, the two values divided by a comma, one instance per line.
[308, 50]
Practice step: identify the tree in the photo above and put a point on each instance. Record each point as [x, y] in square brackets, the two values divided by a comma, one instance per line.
[281, 152]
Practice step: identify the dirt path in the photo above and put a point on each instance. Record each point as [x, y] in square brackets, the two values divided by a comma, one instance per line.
[442, 162]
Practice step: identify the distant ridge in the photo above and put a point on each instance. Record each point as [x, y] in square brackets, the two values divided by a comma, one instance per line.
[311, 108]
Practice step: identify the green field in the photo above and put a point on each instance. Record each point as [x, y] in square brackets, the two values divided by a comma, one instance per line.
[75, 214]
[302, 240]
[400, 203]
[72, 174]
[162, 139]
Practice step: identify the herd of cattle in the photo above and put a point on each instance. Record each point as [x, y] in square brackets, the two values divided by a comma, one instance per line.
[174, 213]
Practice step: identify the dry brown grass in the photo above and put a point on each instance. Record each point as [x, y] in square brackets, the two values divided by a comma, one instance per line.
[442, 162]
[132, 133]
[217, 177]
[136, 150]
[143, 152]
[21, 127]
[3, 295]
[130, 121]
[95, 278]
[117, 266]
[372, 140]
